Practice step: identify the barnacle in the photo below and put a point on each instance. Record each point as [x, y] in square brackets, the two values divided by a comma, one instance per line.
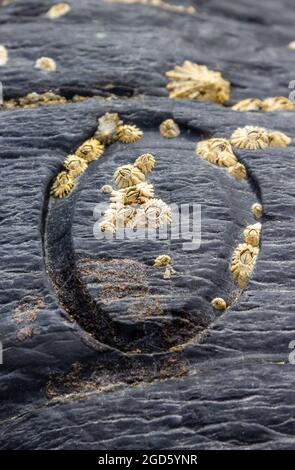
[106, 226]
[45, 63]
[128, 175]
[250, 137]
[106, 188]
[155, 213]
[57, 10]
[145, 162]
[238, 171]
[169, 129]
[162, 260]
[257, 210]
[249, 104]
[107, 128]
[243, 262]
[217, 151]
[75, 165]
[138, 194]
[277, 103]
[252, 234]
[3, 55]
[218, 303]
[90, 150]
[125, 216]
[278, 139]
[168, 272]
[128, 133]
[196, 81]
[291, 45]
[62, 185]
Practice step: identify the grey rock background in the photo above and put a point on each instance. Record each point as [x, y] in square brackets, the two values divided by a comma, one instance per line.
[232, 385]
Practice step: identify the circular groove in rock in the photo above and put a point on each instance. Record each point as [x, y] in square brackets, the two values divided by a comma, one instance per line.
[97, 290]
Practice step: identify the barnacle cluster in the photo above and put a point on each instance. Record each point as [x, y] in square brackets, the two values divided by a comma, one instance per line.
[169, 129]
[197, 82]
[245, 255]
[273, 103]
[46, 63]
[133, 204]
[3, 55]
[33, 100]
[253, 137]
[127, 176]
[219, 152]
[57, 10]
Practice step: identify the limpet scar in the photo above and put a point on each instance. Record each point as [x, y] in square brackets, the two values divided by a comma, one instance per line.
[62, 184]
[197, 82]
[128, 133]
[243, 262]
[46, 64]
[169, 129]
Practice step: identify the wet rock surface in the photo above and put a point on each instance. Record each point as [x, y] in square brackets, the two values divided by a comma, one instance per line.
[99, 351]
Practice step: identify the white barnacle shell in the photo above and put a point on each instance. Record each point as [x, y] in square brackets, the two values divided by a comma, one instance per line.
[277, 103]
[278, 139]
[218, 151]
[47, 64]
[128, 133]
[156, 213]
[145, 162]
[169, 129]
[138, 194]
[196, 81]
[252, 234]
[250, 137]
[57, 10]
[107, 130]
[128, 175]
[3, 55]
[219, 303]
[162, 260]
[257, 210]
[249, 104]
[75, 165]
[62, 185]
[238, 171]
[243, 262]
[106, 226]
[106, 188]
[90, 150]
[125, 216]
